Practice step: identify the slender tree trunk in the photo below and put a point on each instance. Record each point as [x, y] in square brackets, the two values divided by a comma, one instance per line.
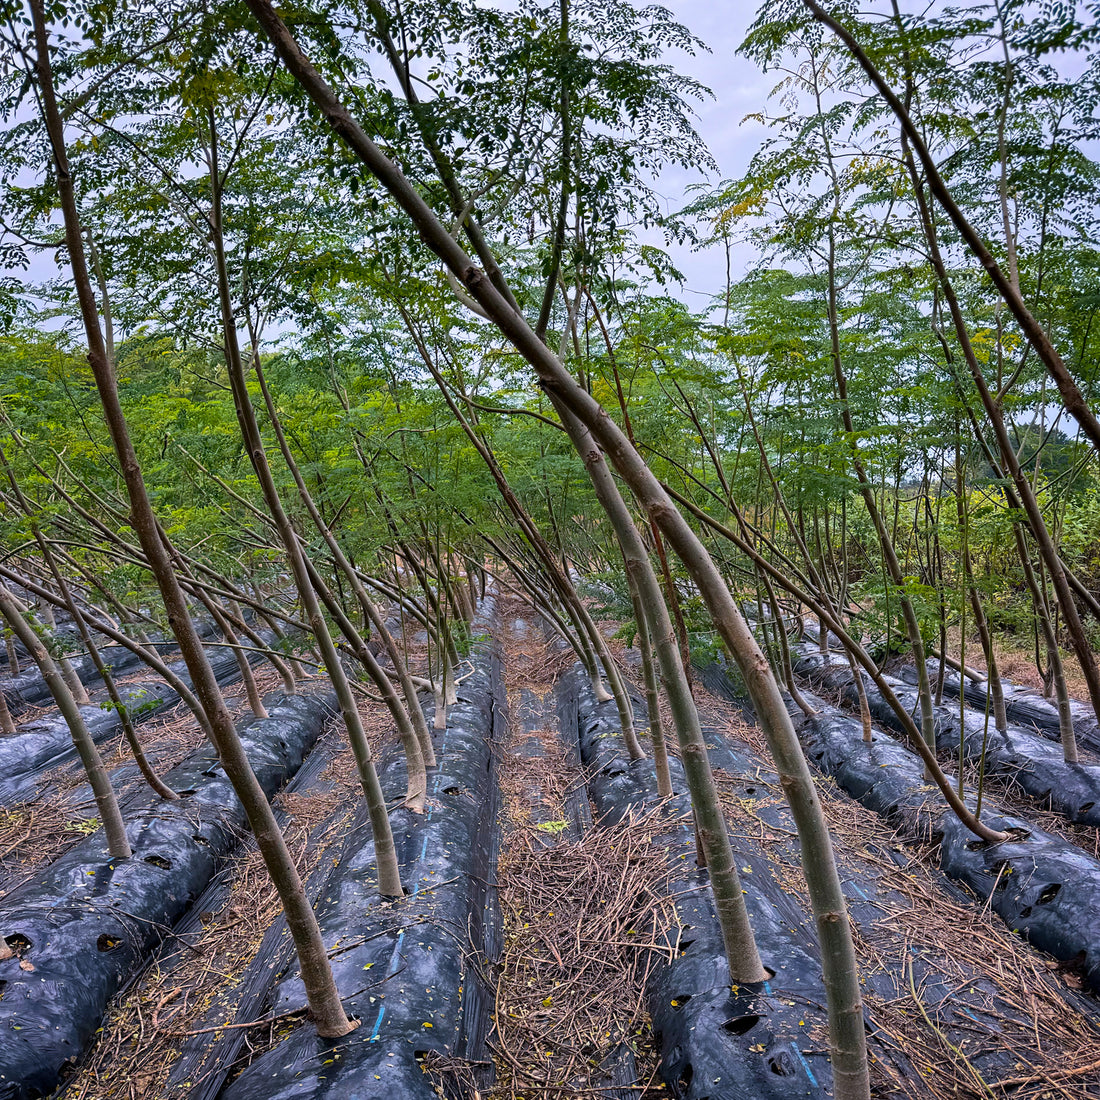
[7, 725]
[290, 685]
[566, 590]
[652, 692]
[836, 625]
[847, 1037]
[417, 785]
[886, 544]
[106, 802]
[993, 676]
[64, 665]
[144, 652]
[655, 617]
[712, 835]
[321, 992]
[255, 703]
[1031, 507]
[389, 874]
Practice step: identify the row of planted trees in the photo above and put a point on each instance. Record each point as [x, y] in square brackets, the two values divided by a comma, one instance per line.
[318, 265]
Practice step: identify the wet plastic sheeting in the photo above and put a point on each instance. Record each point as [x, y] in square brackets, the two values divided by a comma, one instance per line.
[84, 924]
[404, 968]
[47, 742]
[1018, 756]
[752, 1042]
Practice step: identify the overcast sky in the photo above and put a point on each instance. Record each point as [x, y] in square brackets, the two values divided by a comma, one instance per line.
[739, 89]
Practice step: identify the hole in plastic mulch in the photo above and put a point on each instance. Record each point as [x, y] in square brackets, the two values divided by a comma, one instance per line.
[781, 1064]
[1049, 894]
[741, 1025]
[107, 943]
[18, 943]
[680, 1001]
[159, 861]
[1015, 836]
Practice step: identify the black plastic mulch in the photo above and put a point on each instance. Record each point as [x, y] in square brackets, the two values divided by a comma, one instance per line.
[1023, 705]
[413, 972]
[1040, 885]
[1018, 756]
[46, 742]
[752, 1041]
[82, 926]
[28, 689]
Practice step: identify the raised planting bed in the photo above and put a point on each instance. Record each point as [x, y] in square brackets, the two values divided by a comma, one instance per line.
[969, 1004]
[78, 929]
[28, 689]
[1041, 885]
[412, 971]
[764, 1040]
[237, 928]
[1023, 705]
[46, 742]
[1018, 756]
